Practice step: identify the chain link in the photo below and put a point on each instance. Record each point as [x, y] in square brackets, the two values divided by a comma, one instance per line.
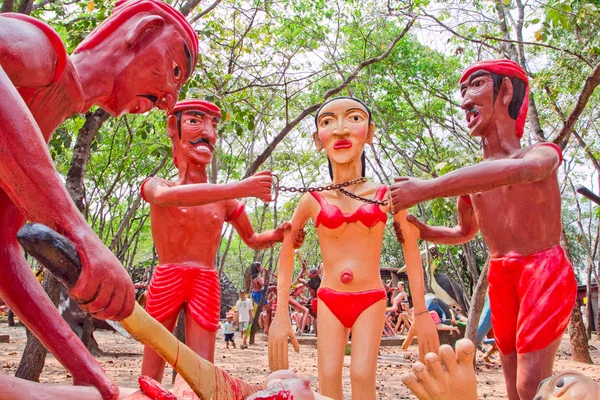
[364, 199]
[333, 186]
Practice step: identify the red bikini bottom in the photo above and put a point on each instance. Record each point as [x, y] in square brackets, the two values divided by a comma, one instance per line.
[347, 306]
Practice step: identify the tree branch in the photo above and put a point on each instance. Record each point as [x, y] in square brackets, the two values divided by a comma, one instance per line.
[582, 58]
[591, 82]
[452, 31]
[331, 92]
[206, 11]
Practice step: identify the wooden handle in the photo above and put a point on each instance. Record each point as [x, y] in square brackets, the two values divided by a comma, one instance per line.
[582, 190]
[197, 372]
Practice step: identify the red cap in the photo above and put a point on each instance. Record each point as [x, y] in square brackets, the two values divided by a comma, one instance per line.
[199, 105]
[126, 9]
[506, 68]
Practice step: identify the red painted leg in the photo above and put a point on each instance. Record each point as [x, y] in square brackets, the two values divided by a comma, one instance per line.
[153, 365]
[200, 340]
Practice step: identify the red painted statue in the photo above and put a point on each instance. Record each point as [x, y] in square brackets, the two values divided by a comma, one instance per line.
[136, 60]
[187, 219]
[513, 197]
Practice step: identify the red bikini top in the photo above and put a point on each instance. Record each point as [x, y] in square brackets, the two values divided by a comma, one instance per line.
[332, 217]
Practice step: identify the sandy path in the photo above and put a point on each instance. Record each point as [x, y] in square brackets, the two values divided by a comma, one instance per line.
[123, 362]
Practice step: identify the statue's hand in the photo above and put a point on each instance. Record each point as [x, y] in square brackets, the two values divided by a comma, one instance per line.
[299, 241]
[427, 335]
[279, 331]
[406, 192]
[449, 376]
[416, 228]
[104, 288]
[258, 185]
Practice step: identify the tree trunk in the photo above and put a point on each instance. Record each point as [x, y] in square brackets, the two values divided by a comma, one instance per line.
[8, 6]
[589, 310]
[25, 7]
[81, 155]
[577, 336]
[34, 356]
[11, 318]
[477, 301]
[87, 336]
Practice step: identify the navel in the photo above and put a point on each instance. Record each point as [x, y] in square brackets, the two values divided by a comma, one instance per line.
[346, 276]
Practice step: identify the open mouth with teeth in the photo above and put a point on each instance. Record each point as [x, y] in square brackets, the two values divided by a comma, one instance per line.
[472, 116]
[202, 144]
[144, 103]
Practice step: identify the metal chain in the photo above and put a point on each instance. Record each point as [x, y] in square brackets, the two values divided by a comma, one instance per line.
[333, 186]
[364, 199]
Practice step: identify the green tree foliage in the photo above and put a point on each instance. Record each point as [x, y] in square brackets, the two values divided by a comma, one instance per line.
[268, 65]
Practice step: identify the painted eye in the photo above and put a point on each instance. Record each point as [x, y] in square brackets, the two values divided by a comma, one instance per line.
[563, 384]
[176, 71]
[193, 121]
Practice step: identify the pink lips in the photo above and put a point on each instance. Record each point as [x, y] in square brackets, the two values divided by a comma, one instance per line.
[342, 144]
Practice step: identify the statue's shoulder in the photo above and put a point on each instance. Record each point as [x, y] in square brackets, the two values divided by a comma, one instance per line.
[31, 37]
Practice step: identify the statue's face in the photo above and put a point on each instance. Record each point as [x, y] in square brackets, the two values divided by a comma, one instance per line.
[198, 136]
[343, 129]
[152, 77]
[478, 101]
[568, 385]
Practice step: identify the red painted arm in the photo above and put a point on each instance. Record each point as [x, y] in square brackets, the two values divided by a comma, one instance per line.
[464, 232]
[256, 241]
[157, 191]
[537, 164]
[28, 176]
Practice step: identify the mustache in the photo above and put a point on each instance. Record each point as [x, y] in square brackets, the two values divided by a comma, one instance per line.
[202, 140]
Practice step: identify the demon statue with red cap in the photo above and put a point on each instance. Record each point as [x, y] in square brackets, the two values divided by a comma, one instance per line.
[513, 197]
[135, 60]
[187, 219]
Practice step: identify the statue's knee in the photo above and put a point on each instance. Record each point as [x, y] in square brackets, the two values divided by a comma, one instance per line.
[527, 385]
[361, 375]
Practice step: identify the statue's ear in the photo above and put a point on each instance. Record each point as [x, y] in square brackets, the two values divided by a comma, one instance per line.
[144, 30]
[317, 141]
[508, 91]
[172, 126]
[371, 133]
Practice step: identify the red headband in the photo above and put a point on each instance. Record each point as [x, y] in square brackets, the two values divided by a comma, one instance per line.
[198, 105]
[506, 68]
[126, 9]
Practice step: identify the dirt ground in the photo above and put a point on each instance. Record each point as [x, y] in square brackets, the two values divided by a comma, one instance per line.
[124, 356]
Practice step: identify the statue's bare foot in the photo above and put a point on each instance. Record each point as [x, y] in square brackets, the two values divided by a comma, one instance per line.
[451, 378]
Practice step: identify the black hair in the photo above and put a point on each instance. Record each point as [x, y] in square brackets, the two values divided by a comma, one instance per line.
[254, 269]
[519, 89]
[178, 116]
[188, 60]
[362, 157]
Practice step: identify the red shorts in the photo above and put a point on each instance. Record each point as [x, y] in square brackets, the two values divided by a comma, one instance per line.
[172, 285]
[531, 299]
